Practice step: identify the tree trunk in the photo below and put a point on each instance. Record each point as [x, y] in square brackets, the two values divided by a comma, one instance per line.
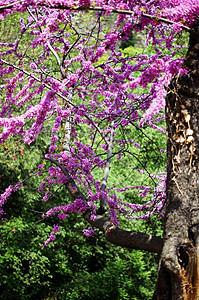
[178, 270]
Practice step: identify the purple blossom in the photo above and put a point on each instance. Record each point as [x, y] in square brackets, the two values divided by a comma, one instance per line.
[127, 28]
[47, 196]
[41, 166]
[89, 232]
[5, 196]
[52, 236]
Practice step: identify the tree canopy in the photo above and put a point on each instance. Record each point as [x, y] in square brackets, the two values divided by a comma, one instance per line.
[66, 78]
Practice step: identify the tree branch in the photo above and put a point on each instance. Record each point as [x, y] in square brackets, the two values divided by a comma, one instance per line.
[50, 47]
[113, 234]
[67, 129]
[10, 5]
[101, 9]
[102, 208]
[128, 239]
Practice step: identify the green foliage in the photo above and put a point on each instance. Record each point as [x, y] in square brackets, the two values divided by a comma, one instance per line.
[124, 276]
[74, 267]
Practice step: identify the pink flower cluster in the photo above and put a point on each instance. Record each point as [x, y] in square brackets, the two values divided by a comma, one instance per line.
[89, 232]
[52, 236]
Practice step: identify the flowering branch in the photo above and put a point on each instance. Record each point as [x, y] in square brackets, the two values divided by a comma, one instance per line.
[113, 234]
[10, 5]
[58, 94]
[101, 9]
[50, 47]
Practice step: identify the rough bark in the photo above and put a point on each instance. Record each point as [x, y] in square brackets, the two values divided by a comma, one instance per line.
[124, 238]
[178, 270]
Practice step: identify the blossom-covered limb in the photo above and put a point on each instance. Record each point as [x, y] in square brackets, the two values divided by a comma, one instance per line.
[115, 235]
[70, 184]
[50, 47]
[58, 94]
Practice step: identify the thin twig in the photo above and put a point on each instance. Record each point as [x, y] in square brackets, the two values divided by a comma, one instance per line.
[102, 208]
[67, 130]
[31, 176]
[71, 47]
[134, 155]
[108, 161]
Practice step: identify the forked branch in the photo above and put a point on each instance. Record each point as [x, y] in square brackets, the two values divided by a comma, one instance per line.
[113, 234]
